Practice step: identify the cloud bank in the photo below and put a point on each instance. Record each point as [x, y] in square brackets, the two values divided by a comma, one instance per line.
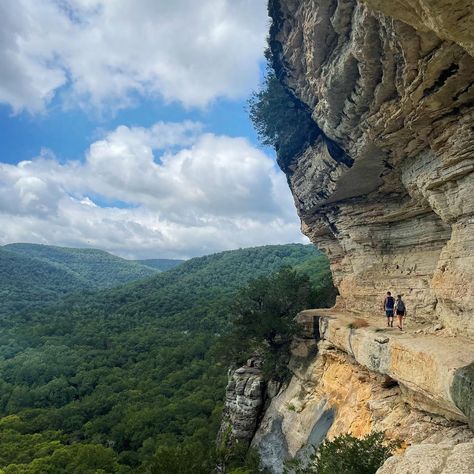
[102, 52]
[170, 190]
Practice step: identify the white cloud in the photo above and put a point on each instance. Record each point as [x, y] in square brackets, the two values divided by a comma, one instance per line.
[107, 52]
[169, 190]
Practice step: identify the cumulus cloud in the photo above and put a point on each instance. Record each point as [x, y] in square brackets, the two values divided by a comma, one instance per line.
[168, 190]
[106, 52]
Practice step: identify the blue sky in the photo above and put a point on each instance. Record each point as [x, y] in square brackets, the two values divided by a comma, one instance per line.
[123, 127]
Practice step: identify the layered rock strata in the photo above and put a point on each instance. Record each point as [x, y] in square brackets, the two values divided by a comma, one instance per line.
[245, 396]
[431, 368]
[360, 380]
[383, 183]
[391, 83]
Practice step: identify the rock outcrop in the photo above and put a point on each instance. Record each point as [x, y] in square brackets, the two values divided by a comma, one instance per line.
[432, 459]
[361, 380]
[245, 396]
[383, 185]
[391, 84]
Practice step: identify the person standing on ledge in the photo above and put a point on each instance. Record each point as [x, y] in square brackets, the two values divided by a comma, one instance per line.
[401, 311]
[388, 304]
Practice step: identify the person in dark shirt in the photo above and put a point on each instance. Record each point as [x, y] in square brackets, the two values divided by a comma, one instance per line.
[389, 304]
[401, 311]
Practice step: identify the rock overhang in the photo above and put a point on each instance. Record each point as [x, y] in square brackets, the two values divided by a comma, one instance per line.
[399, 102]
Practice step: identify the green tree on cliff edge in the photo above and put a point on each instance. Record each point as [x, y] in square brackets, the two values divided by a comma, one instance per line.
[346, 454]
[279, 118]
[264, 324]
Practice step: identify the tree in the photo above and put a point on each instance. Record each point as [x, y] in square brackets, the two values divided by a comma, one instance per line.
[264, 321]
[280, 119]
[346, 454]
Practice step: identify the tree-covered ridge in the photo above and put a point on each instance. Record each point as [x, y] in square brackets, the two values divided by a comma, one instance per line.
[126, 373]
[34, 276]
[27, 283]
[96, 268]
[162, 264]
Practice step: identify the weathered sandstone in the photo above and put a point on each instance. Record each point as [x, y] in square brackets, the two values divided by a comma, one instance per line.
[332, 394]
[427, 366]
[390, 83]
[244, 400]
[432, 459]
[383, 183]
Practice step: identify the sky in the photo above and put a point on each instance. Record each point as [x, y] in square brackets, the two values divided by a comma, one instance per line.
[123, 127]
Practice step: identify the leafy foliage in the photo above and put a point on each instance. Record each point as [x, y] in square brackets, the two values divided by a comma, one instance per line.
[264, 319]
[281, 120]
[346, 454]
[126, 373]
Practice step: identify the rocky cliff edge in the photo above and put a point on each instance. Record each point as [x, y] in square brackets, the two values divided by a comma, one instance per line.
[390, 83]
[383, 184]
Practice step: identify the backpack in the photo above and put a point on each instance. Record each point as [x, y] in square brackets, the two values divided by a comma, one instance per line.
[400, 305]
[390, 302]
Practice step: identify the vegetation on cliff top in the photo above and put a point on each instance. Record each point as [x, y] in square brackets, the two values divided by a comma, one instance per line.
[284, 122]
[280, 119]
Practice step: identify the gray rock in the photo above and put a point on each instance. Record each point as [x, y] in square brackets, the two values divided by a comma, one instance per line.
[432, 459]
[243, 406]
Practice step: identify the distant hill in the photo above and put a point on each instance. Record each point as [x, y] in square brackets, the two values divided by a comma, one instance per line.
[33, 275]
[162, 264]
[27, 283]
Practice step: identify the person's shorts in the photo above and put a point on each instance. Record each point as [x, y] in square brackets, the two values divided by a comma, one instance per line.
[400, 313]
[389, 313]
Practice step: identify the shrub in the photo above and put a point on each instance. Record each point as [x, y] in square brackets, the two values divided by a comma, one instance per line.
[346, 454]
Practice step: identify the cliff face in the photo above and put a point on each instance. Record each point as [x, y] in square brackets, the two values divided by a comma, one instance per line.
[335, 396]
[245, 396]
[383, 184]
[390, 83]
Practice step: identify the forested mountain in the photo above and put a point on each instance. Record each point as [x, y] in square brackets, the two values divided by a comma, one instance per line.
[123, 379]
[33, 276]
[162, 264]
[97, 268]
[29, 283]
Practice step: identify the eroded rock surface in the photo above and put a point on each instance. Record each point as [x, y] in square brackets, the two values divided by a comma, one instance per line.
[244, 401]
[384, 186]
[432, 459]
[334, 395]
[392, 84]
[436, 371]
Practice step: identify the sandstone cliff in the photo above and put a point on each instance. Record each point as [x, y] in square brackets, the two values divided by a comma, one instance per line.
[383, 185]
[362, 379]
[397, 97]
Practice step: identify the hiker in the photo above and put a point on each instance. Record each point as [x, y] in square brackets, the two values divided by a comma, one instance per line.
[401, 311]
[388, 304]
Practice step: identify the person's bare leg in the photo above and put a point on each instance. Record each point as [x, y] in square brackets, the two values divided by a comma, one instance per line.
[400, 322]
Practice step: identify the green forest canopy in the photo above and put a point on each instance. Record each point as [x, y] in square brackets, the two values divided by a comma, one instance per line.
[121, 380]
[33, 276]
